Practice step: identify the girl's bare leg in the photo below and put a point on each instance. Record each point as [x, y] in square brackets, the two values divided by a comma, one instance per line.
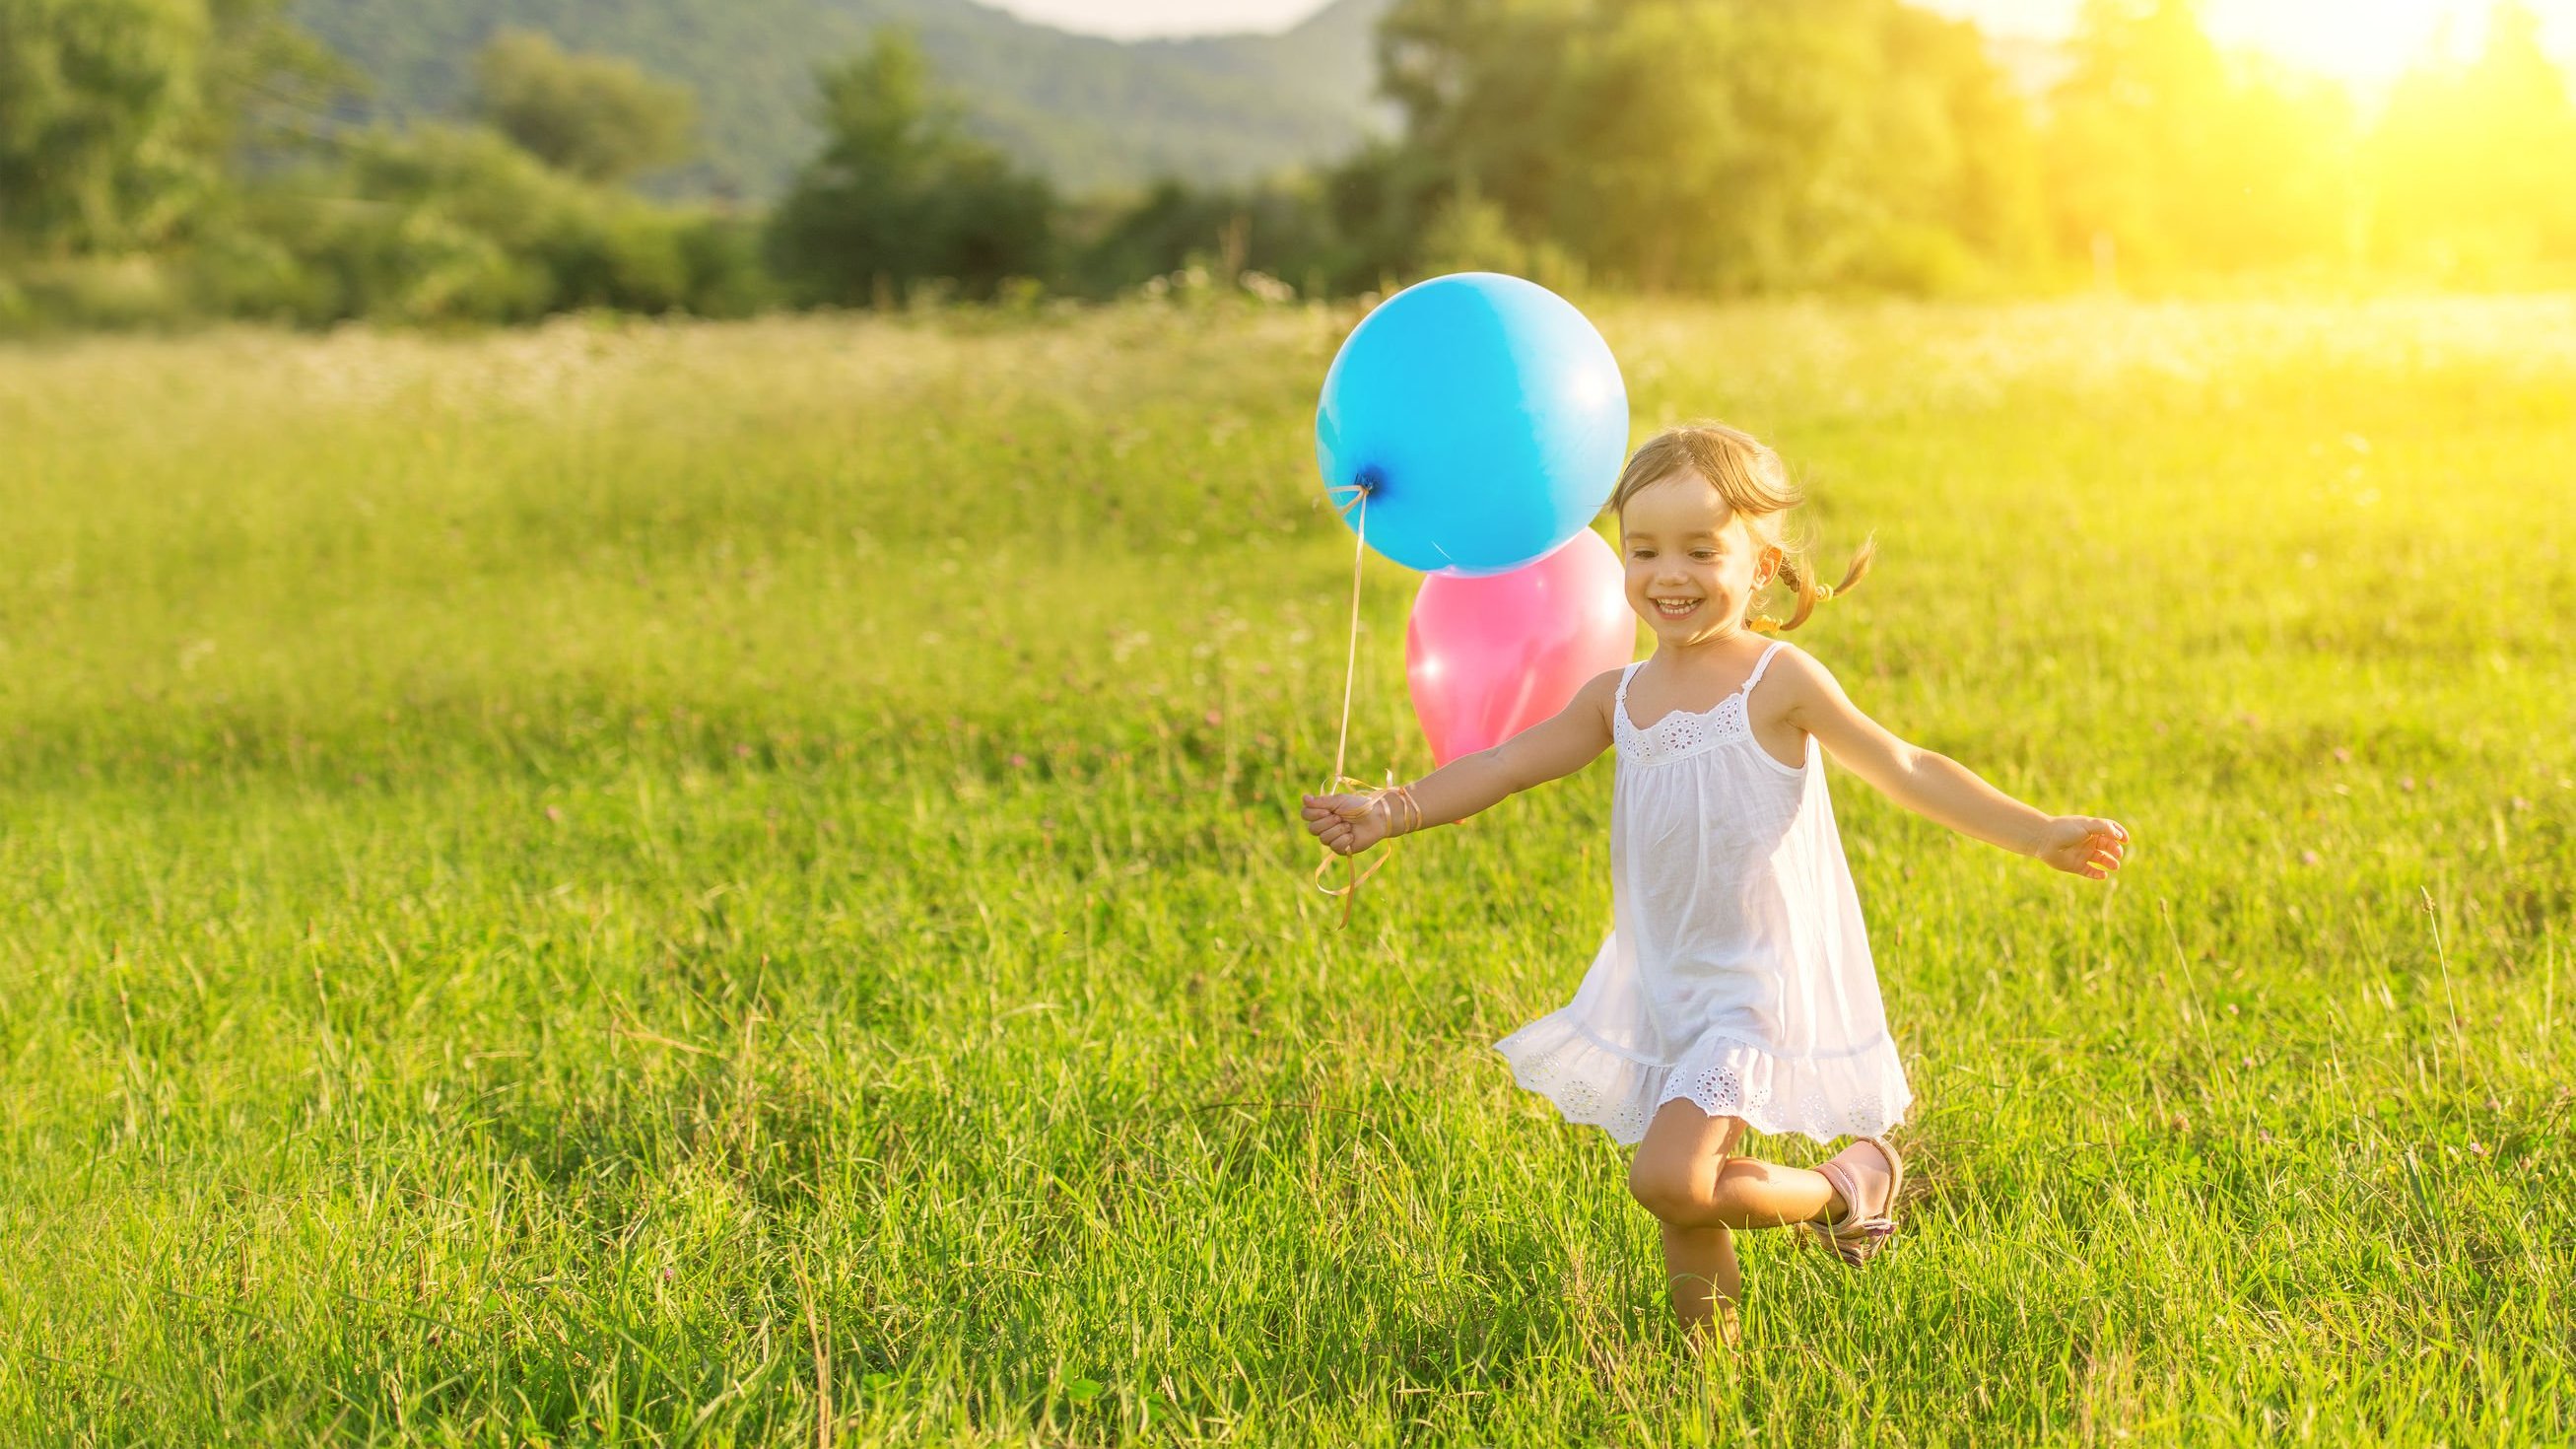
[1687, 1175]
[1701, 1273]
[1673, 1176]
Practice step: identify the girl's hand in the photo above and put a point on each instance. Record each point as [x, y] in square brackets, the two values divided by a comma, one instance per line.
[2083, 845]
[1348, 824]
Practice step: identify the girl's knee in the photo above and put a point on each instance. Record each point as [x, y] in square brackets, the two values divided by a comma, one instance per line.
[1683, 1193]
[1677, 1169]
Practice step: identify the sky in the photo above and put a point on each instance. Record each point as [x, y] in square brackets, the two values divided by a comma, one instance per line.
[1132, 19]
[2369, 41]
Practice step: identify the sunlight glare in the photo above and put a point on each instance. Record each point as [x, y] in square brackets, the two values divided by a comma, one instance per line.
[2366, 42]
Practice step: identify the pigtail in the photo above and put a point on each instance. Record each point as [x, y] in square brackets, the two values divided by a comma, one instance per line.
[1801, 579]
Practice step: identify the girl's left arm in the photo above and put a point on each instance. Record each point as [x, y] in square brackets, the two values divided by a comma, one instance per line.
[1937, 787]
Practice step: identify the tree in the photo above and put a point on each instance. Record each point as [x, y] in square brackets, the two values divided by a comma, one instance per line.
[2164, 154]
[116, 116]
[2475, 167]
[1952, 144]
[901, 195]
[1279, 227]
[441, 223]
[1718, 144]
[601, 118]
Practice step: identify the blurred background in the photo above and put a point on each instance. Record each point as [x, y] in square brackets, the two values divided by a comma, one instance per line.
[311, 161]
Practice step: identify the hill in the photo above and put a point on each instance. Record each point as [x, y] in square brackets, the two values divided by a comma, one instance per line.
[1092, 113]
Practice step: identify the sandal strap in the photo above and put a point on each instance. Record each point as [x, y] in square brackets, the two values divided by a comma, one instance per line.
[1841, 1178]
[1895, 1171]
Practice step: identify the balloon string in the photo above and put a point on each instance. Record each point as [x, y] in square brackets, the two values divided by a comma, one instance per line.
[1351, 659]
[1341, 746]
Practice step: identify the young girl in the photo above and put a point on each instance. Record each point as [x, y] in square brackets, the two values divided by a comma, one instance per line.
[1735, 989]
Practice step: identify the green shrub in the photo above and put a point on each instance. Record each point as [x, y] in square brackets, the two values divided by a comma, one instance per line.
[447, 224]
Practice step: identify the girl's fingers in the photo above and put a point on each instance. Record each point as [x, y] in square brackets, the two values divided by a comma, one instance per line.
[1326, 807]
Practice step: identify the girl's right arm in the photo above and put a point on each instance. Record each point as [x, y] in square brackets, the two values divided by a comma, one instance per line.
[1551, 749]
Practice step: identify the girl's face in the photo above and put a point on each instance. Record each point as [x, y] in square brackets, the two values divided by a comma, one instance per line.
[1694, 565]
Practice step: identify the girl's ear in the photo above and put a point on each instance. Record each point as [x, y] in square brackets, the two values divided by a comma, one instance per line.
[1769, 567]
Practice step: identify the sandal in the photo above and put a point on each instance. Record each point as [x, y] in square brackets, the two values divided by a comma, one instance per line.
[1855, 1238]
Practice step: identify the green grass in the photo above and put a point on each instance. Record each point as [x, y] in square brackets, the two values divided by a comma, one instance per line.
[700, 885]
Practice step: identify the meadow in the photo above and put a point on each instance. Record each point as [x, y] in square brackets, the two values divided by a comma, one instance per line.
[694, 884]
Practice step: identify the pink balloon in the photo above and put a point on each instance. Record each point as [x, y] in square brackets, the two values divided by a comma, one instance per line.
[1488, 657]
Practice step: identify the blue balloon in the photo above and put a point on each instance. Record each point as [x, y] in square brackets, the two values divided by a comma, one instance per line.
[1483, 415]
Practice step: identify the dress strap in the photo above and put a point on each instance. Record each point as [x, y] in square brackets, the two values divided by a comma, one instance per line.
[1623, 682]
[1759, 665]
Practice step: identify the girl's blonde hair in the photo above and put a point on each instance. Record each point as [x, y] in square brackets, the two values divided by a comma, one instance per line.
[1755, 484]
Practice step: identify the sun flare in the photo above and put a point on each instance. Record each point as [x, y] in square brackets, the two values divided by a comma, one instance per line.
[2368, 44]
[2365, 42]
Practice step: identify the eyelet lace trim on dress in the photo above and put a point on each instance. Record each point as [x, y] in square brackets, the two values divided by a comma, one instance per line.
[1682, 733]
[1850, 1095]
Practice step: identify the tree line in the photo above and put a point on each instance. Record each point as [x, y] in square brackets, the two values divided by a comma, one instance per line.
[179, 158]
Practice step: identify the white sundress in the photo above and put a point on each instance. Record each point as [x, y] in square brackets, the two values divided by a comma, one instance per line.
[1737, 971]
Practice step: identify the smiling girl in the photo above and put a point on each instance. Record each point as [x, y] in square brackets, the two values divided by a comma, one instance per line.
[1735, 989]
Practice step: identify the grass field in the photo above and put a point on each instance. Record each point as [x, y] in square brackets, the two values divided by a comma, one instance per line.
[722, 885]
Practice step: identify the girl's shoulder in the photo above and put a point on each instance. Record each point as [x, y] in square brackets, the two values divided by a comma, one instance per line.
[1602, 690]
[1791, 676]
[1788, 661]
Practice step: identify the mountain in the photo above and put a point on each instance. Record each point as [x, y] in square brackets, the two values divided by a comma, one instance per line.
[1091, 113]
